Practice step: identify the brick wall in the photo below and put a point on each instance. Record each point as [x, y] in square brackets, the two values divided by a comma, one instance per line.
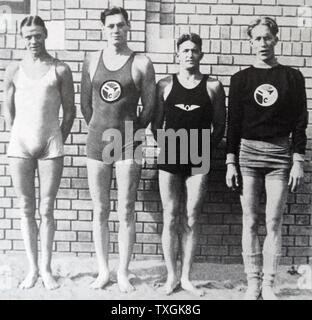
[155, 23]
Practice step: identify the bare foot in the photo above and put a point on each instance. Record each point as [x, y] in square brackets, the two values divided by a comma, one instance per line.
[30, 280]
[48, 281]
[101, 281]
[171, 284]
[124, 284]
[188, 286]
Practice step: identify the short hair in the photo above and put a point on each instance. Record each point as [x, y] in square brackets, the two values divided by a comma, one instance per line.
[265, 21]
[33, 21]
[112, 11]
[195, 38]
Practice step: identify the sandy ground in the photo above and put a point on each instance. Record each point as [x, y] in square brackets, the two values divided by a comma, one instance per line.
[74, 274]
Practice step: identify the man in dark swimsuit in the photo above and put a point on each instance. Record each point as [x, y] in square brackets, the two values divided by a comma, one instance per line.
[185, 101]
[113, 80]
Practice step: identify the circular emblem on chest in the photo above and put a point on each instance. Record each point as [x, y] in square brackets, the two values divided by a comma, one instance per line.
[110, 91]
[266, 95]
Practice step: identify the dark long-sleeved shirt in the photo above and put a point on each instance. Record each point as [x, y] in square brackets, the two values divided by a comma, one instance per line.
[267, 103]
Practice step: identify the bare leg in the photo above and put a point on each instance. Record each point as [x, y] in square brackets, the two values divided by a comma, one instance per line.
[196, 187]
[250, 200]
[128, 174]
[23, 175]
[276, 199]
[170, 187]
[50, 173]
[276, 191]
[99, 178]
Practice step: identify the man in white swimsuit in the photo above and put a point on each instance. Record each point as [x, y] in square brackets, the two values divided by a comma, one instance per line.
[113, 80]
[34, 90]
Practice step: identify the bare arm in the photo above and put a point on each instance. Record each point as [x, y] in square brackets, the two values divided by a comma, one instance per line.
[158, 115]
[148, 91]
[219, 112]
[67, 98]
[9, 91]
[86, 92]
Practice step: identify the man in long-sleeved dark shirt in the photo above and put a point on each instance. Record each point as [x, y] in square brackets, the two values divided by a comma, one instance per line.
[267, 104]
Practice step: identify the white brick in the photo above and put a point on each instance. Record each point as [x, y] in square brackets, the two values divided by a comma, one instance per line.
[13, 235]
[90, 45]
[185, 8]
[58, 15]
[45, 5]
[201, 19]
[224, 9]
[92, 4]
[75, 35]
[138, 15]
[5, 224]
[82, 247]
[5, 245]
[58, 4]
[65, 236]
[268, 10]
[75, 14]
[62, 246]
[72, 3]
[202, 9]
[135, 4]
[91, 25]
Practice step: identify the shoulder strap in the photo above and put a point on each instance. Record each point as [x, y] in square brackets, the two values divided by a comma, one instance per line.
[94, 61]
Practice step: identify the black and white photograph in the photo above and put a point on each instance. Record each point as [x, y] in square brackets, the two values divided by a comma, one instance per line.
[156, 150]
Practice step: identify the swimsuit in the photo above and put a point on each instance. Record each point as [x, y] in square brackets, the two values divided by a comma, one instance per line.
[185, 109]
[114, 101]
[36, 132]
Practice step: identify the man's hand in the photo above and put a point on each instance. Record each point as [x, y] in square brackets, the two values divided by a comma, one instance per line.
[296, 175]
[232, 178]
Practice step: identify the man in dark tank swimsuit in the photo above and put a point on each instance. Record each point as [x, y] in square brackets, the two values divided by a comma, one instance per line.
[186, 101]
[113, 80]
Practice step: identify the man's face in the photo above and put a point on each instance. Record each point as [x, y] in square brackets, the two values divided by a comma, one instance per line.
[263, 42]
[116, 29]
[189, 55]
[34, 38]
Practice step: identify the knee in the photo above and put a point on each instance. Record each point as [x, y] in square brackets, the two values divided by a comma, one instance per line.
[46, 207]
[126, 218]
[101, 212]
[171, 209]
[170, 222]
[126, 213]
[274, 224]
[125, 207]
[27, 206]
[191, 222]
[250, 224]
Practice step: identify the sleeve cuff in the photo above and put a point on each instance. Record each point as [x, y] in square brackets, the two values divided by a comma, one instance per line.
[230, 158]
[298, 157]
